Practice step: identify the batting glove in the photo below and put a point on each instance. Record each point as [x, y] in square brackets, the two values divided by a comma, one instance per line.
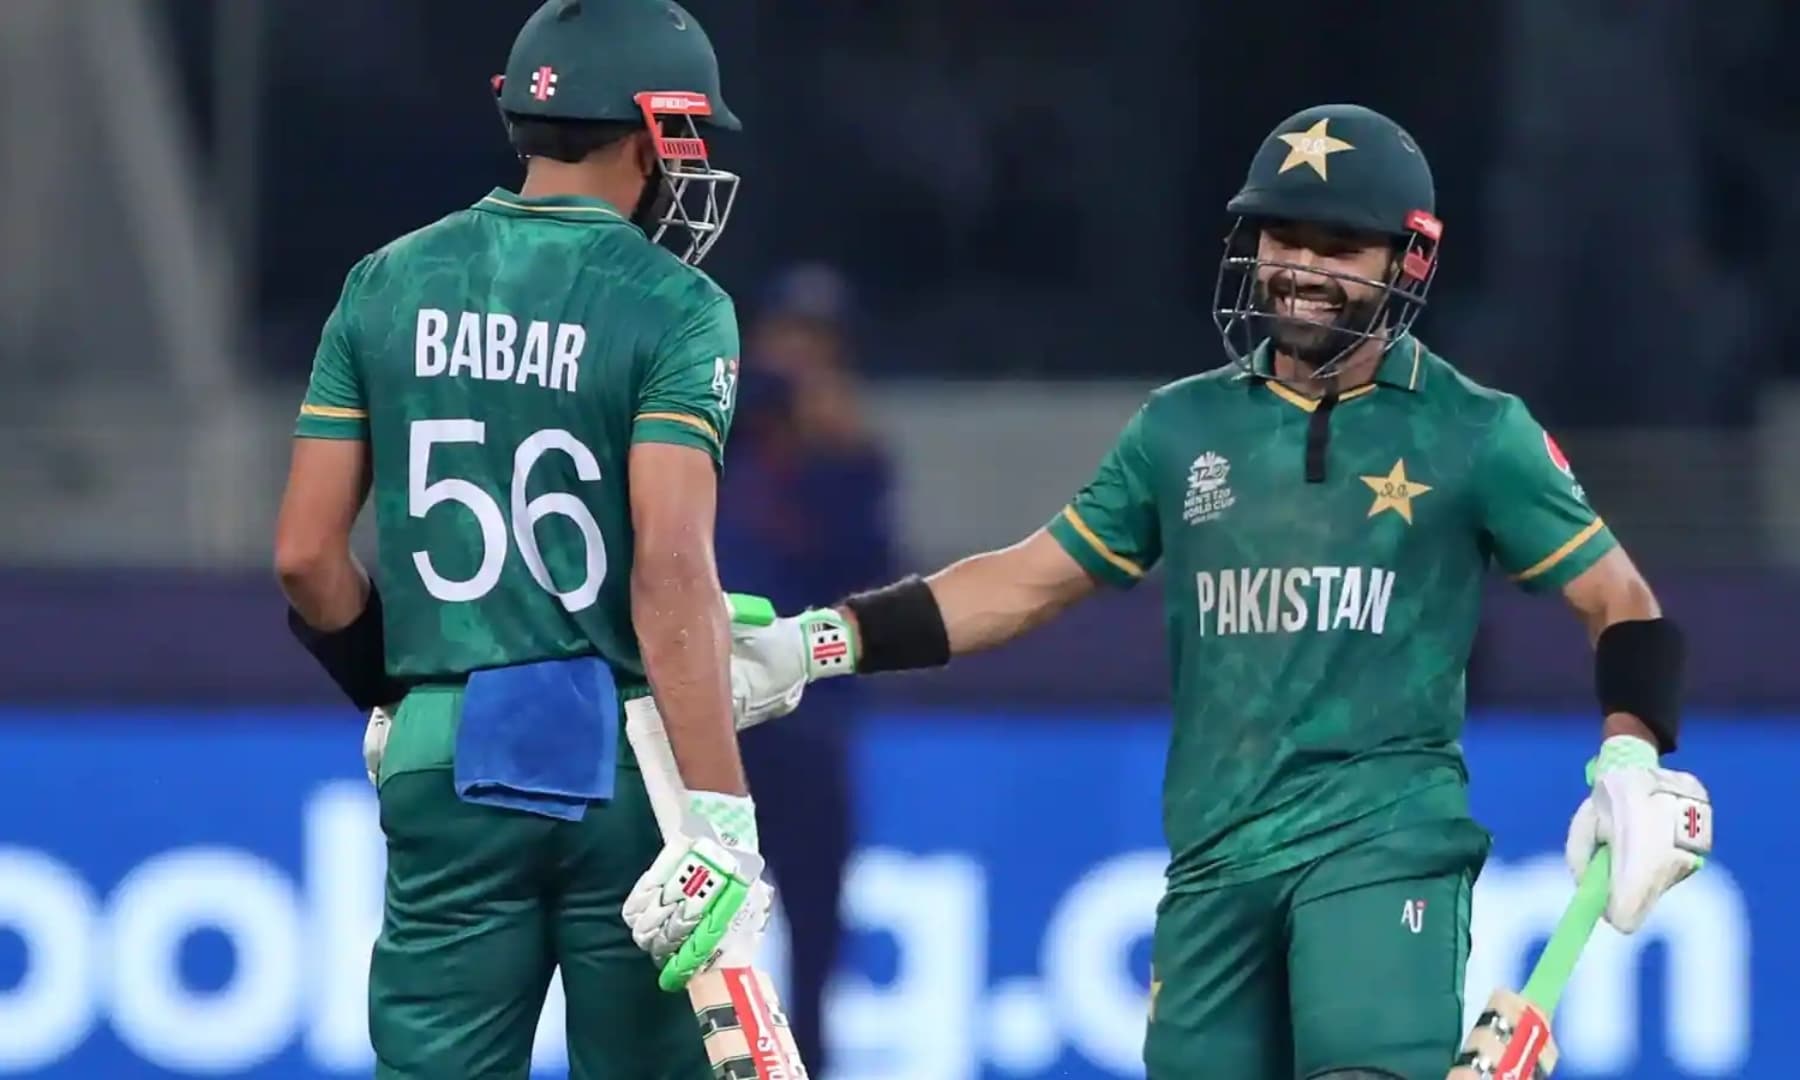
[704, 892]
[772, 658]
[1658, 823]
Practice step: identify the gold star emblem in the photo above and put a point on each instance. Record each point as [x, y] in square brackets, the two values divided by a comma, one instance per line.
[1395, 492]
[1311, 147]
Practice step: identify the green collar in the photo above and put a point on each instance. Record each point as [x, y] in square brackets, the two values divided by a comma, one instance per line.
[576, 208]
[1402, 365]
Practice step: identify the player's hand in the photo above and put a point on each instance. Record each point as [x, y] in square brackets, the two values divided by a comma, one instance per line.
[375, 738]
[704, 891]
[1658, 823]
[772, 658]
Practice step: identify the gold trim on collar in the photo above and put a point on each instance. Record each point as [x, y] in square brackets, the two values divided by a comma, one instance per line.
[1305, 404]
[605, 211]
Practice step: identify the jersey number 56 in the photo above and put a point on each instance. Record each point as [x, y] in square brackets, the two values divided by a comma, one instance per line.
[421, 497]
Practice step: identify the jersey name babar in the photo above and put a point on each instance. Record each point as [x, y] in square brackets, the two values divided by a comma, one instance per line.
[503, 363]
[494, 347]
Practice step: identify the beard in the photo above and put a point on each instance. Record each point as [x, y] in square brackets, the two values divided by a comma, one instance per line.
[654, 203]
[1341, 324]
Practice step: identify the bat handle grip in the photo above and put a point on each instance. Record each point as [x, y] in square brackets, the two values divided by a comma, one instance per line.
[1551, 975]
[656, 761]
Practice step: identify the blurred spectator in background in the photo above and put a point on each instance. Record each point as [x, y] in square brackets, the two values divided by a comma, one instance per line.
[803, 513]
[1605, 274]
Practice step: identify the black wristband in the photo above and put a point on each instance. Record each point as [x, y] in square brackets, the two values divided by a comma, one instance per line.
[1637, 670]
[355, 657]
[899, 627]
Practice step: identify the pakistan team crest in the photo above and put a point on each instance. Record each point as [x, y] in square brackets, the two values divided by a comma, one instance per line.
[1208, 496]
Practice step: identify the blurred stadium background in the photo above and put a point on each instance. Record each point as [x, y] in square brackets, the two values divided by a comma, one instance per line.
[1028, 198]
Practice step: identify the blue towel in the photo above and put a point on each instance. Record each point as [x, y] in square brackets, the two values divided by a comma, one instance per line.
[542, 738]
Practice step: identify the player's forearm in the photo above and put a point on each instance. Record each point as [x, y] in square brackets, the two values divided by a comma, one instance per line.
[328, 482]
[986, 603]
[1634, 602]
[327, 587]
[977, 603]
[1627, 598]
[1638, 654]
[684, 634]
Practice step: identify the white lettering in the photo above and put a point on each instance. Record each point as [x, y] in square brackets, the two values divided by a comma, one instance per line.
[502, 331]
[1296, 580]
[1704, 927]
[1082, 1000]
[465, 355]
[487, 347]
[1099, 1007]
[48, 1012]
[343, 856]
[1349, 599]
[934, 907]
[534, 364]
[429, 354]
[1227, 602]
[1703, 932]
[1375, 605]
[1268, 600]
[570, 341]
[1207, 591]
[162, 902]
[1325, 575]
[1250, 585]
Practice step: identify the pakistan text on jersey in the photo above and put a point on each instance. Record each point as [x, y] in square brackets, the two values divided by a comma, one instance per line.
[1272, 600]
[490, 346]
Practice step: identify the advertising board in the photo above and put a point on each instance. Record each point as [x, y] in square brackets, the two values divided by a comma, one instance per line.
[188, 894]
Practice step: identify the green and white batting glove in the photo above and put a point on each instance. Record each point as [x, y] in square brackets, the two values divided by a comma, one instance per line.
[704, 892]
[774, 658]
[1657, 821]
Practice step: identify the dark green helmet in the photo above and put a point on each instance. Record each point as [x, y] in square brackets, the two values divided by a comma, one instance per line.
[1345, 167]
[640, 62]
[591, 59]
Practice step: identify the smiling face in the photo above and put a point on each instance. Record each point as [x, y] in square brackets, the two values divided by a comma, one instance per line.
[1323, 288]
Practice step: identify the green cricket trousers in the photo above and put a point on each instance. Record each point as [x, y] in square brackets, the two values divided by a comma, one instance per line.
[483, 904]
[1353, 961]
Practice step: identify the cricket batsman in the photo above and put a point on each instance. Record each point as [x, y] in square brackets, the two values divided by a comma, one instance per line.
[537, 393]
[1325, 508]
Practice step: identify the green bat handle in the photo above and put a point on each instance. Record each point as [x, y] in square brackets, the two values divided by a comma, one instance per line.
[750, 610]
[1551, 975]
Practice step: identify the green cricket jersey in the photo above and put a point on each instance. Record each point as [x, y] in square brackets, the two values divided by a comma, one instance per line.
[500, 363]
[1318, 631]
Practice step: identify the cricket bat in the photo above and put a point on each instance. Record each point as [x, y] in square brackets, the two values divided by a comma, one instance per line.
[741, 1020]
[1511, 1038]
